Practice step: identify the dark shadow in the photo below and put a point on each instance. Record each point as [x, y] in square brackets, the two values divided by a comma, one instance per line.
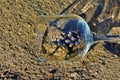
[95, 16]
[119, 3]
[10, 76]
[53, 71]
[16, 76]
[83, 15]
[113, 48]
[92, 46]
[116, 23]
[69, 6]
[108, 23]
[105, 26]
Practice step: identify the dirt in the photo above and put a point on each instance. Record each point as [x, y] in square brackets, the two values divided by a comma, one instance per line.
[19, 51]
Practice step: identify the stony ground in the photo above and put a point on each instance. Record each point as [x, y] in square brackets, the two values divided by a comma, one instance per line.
[18, 49]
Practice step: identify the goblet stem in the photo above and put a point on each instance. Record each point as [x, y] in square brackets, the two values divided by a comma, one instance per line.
[109, 38]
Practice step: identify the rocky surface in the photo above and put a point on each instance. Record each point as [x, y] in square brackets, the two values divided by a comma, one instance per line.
[19, 50]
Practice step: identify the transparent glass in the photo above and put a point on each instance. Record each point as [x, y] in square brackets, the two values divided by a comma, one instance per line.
[67, 37]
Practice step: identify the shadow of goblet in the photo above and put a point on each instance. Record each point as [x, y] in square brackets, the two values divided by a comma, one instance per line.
[114, 48]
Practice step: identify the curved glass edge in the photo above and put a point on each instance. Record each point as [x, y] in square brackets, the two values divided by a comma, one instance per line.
[88, 38]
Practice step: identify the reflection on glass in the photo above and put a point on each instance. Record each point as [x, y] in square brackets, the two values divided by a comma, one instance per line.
[68, 37]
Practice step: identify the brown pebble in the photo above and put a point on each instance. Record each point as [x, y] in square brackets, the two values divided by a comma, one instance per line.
[70, 45]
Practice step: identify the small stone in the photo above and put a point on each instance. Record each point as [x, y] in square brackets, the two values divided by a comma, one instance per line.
[67, 41]
[49, 74]
[79, 40]
[71, 44]
[49, 48]
[69, 34]
[60, 53]
[73, 39]
[74, 75]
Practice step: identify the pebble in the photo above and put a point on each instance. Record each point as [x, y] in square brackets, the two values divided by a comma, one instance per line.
[74, 75]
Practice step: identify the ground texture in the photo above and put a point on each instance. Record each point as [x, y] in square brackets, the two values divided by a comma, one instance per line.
[18, 49]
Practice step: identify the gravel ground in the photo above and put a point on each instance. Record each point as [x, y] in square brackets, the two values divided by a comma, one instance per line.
[19, 51]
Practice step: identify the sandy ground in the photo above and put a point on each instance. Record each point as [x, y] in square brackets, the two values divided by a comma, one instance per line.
[18, 49]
